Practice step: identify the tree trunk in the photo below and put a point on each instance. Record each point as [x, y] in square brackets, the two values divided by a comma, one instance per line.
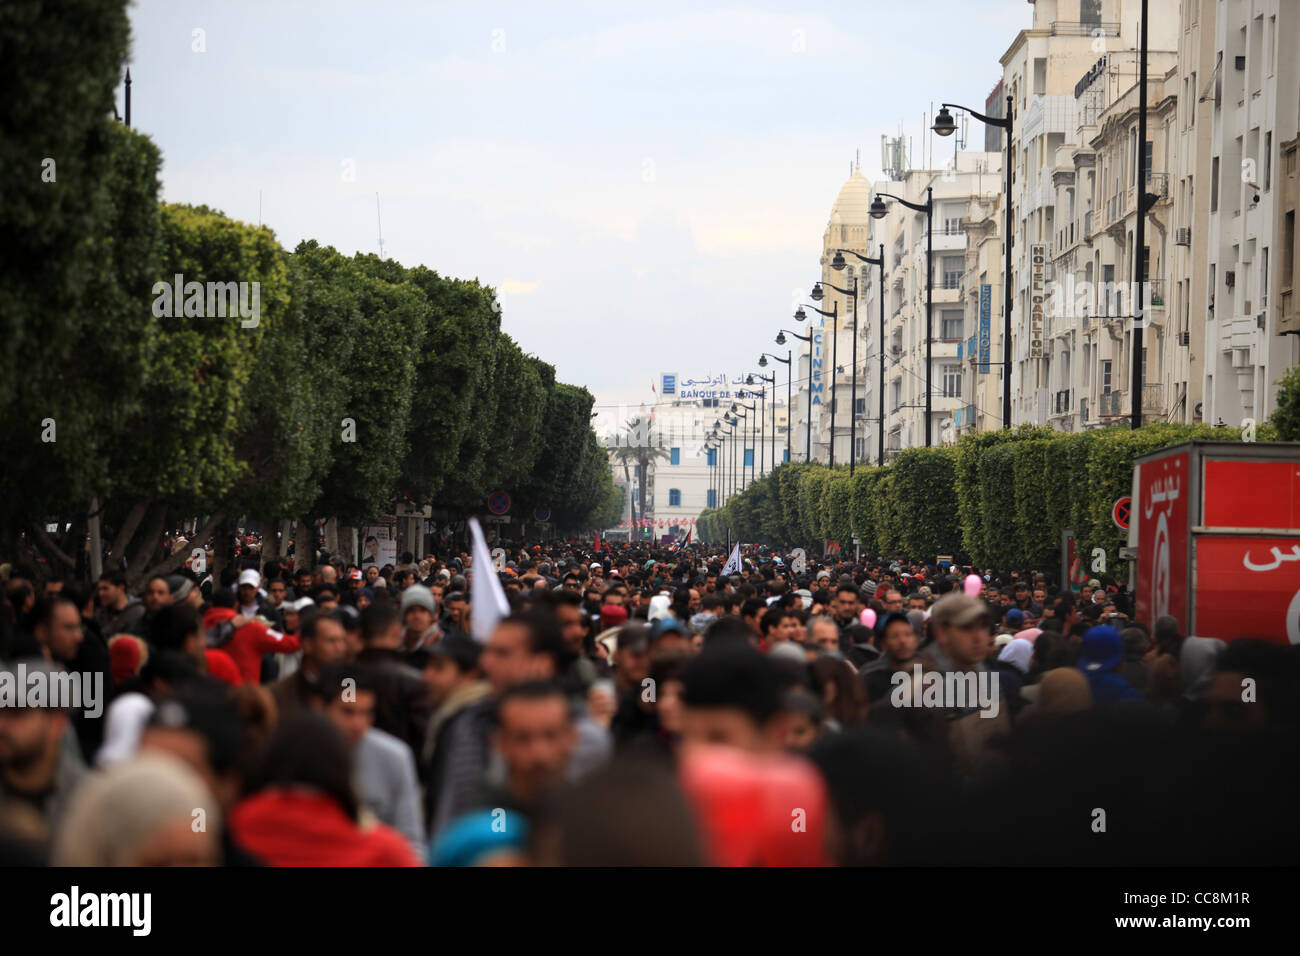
[125, 533]
[47, 544]
[170, 562]
[332, 536]
[304, 549]
[147, 547]
[223, 546]
[270, 541]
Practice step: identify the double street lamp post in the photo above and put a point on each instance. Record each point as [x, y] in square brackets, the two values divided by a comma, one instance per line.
[816, 295]
[762, 394]
[789, 381]
[879, 211]
[780, 340]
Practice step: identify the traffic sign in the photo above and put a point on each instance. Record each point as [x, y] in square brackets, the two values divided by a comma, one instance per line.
[498, 502]
[1120, 513]
[541, 513]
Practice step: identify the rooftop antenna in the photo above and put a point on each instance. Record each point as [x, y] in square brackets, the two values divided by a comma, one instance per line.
[128, 97]
[259, 209]
[379, 218]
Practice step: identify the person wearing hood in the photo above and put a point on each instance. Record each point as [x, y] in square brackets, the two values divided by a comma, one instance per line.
[1198, 658]
[1100, 657]
[244, 640]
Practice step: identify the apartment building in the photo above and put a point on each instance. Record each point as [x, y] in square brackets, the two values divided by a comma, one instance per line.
[1041, 70]
[1251, 88]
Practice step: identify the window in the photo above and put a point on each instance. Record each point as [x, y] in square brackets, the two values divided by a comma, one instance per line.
[712, 459]
[1263, 279]
[1090, 13]
[860, 406]
[674, 498]
[1214, 184]
[749, 458]
[952, 269]
[1105, 376]
[785, 454]
[952, 381]
[712, 498]
[950, 324]
[675, 456]
[1268, 160]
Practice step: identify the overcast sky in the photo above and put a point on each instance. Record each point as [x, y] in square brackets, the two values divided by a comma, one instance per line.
[646, 184]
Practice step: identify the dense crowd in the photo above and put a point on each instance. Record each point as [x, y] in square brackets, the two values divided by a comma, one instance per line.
[635, 706]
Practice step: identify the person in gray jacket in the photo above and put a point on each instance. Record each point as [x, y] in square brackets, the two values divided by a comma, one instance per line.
[386, 781]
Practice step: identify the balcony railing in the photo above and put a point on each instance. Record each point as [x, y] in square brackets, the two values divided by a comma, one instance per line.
[1153, 398]
[1085, 28]
[1061, 401]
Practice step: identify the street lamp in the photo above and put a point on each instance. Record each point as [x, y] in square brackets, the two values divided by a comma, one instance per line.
[743, 411]
[833, 315]
[762, 394]
[879, 211]
[789, 380]
[879, 261]
[944, 125]
[780, 340]
[838, 265]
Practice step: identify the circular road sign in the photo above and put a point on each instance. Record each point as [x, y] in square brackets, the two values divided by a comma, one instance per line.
[541, 513]
[498, 502]
[1120, 513]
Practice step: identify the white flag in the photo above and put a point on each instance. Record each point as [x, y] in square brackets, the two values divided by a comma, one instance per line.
[488, 602]
[733, 562]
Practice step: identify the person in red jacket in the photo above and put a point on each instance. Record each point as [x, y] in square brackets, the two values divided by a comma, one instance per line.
[303, 810]
[245, 640]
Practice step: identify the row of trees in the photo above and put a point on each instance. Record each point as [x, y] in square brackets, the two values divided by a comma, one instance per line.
[362, 380]
[994, 499]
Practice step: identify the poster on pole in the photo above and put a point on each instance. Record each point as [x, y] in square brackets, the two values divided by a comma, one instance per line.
[379, 543]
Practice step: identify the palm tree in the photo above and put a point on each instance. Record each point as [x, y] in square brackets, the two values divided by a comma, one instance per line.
[640, 449]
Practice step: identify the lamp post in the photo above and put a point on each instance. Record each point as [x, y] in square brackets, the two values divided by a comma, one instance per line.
[879, 261]
[817, 296]
[789, 382]
[838, 265]
[800, 315]
[780, 340]
[945, 126]
[879, 211]
[762, 394]
[743, 411]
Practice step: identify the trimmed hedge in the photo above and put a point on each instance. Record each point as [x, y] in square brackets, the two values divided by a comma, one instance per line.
[995, 499]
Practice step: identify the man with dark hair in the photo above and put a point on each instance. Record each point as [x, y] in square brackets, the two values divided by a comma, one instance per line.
[899, 641]
[38, 767]
[525, 646]
[752, 613]
[402, 705]
[118, 611]
[384, 767]
[845, 608]
[535, 738]
[455, 684]
[731, 692]
[778, 624]
[321, 634]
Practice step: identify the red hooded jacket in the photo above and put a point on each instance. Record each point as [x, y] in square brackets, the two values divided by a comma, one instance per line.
[247, 645]
[288, 827]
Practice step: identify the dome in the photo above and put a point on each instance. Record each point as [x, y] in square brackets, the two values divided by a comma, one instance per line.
[853, 204]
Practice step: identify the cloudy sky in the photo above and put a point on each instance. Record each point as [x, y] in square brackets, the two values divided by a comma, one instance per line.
[646, 184]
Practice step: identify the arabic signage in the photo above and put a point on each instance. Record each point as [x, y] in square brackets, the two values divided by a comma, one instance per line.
[1161, 505]
[1037, 292]
[1248, 587]
[986, 310]
[709, 386]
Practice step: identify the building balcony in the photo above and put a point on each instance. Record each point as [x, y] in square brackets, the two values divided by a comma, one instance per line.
[945, 240]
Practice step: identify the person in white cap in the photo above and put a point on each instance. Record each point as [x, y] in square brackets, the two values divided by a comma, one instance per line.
[251, 597]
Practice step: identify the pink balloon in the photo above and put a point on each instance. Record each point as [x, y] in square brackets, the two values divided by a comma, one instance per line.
[974, 584]
[867, 617]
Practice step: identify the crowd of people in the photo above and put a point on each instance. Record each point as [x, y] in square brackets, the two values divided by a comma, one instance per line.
[635, 706]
